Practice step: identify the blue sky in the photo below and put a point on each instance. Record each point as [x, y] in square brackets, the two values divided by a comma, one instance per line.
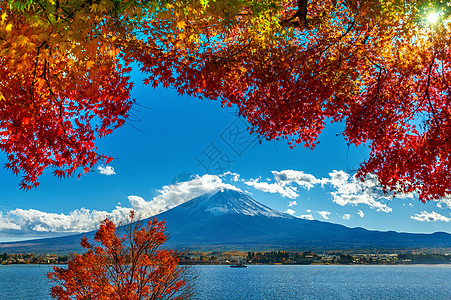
[175, 137]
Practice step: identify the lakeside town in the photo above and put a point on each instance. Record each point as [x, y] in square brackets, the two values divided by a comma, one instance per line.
[265, 257]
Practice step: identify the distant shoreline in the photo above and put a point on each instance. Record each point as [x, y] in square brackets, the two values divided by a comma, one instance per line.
[325, 264]
[258, 258]
[226, 265]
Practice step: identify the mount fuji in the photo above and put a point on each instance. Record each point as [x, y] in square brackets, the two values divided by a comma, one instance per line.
[230, 219]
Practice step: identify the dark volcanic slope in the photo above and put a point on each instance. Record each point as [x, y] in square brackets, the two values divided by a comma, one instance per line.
[231, 219]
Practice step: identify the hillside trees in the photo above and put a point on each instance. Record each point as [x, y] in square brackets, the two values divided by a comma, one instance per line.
[129, 263]
[381, 67]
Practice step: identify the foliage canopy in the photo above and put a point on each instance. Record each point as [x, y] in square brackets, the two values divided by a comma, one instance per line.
[382, 67]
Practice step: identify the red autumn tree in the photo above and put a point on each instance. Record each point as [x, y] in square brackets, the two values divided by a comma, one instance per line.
[62, 86]
[381, 67]
[128, 267]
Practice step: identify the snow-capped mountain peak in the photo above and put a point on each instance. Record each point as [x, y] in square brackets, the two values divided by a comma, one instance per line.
[227, 201]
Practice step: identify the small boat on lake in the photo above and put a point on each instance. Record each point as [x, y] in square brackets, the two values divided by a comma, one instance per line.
[238, 266]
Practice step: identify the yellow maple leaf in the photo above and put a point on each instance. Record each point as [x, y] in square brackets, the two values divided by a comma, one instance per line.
[89, 64]
[181, 24]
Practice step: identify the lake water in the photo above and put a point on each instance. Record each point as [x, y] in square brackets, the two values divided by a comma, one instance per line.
[275, 282]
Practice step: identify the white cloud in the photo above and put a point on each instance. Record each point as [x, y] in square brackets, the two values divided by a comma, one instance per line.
[361, 213]
[273, 188]
[353, 191]
[308, 210]
[235, 177]
[284, 181]
[292, 203]
[430, 217]
[346, 217]
[137, 203]
[307, 217]
[324, 214]
[176, 194]
[287, 177]
[290, 211]
[347, 189]
[338, 178]
[7, 224]
[79, 220]
[82, 220]
[108, 170]
[445, 202]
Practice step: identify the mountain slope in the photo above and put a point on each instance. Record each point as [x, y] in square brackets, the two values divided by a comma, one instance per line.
[224, 220]
[230, 219]
[227, 201]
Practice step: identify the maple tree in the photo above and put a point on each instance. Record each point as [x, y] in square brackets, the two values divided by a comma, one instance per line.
[132, 266]
[381, 67]
[62, 86]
